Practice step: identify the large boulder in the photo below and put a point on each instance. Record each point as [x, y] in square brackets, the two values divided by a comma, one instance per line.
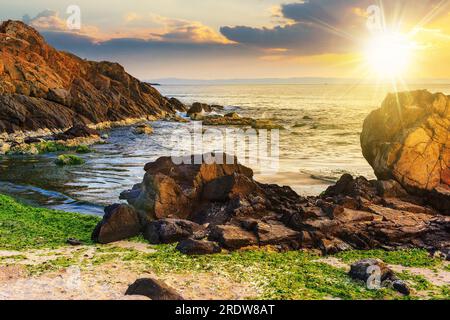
[172, 190]
[407, 140]
[119, 222]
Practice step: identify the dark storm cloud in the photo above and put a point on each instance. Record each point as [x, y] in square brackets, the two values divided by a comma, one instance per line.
[330, 26]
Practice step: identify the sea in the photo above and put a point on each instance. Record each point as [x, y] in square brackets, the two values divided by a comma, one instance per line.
[319, 143]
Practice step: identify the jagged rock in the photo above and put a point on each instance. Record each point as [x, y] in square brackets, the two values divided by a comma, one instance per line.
[119, 222]
[170, 230]
[198, 110]
[391, 189]
[233, 237]
[198, 247]
[45, 88]
[170, 190]
[178, 105]
[240, 212]
[439, 198]
[277, 234]
[407, 140]
[78, 131]
[153, 289]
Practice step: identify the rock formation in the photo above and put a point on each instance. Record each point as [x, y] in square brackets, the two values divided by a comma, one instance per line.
[408, 140]
[209, 205]
[42, 88]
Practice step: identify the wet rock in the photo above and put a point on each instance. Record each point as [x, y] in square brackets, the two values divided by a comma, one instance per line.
[170, 230]
[198, 109]
[198, 247]
[227, 121]
[407, 140]
[233, 115]
[153, 289]
[119, 222]
[266, 124]
[143, 129]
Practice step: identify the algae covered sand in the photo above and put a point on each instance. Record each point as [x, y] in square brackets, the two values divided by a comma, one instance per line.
[34, 255]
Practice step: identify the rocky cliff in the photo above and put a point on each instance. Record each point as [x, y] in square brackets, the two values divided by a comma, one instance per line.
[42, 88]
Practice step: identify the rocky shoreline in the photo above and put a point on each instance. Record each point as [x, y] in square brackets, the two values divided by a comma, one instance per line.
[209, 207]
[51, 96]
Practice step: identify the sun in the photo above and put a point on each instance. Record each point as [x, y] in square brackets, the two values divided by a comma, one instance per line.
[389, 55]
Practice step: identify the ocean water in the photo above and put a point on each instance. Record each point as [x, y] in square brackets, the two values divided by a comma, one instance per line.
[320, 143]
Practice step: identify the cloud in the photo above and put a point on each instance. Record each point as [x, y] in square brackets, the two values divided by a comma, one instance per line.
[188, 31]
[46, 20]
[49, 20]
[332, 26]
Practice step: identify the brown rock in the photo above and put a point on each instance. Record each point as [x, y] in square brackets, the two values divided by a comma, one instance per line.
[77, 131]
[233, 237]
[169, 230]
[361, 270]
[143, 129]
[153, 289]
[45, 88]
[119, 222]
[276, 233]
[407, 140]
[198, 247]
[178, 105]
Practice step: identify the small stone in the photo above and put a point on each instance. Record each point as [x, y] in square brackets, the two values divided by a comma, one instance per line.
[74, 242]
[401, 287]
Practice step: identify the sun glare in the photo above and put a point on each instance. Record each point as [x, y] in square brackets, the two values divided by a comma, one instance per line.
[389, 55]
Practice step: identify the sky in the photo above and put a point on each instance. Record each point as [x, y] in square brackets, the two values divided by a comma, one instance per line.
[211, 39]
